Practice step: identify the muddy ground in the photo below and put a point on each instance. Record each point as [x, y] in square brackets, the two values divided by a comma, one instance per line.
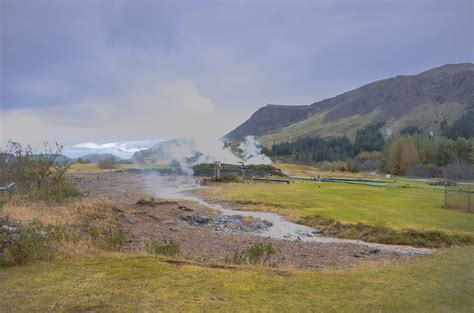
[164, 221]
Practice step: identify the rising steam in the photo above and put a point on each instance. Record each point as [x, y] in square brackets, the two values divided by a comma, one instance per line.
[188, 152]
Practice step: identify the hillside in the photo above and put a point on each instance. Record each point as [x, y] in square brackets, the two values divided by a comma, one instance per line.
[96, 157]
[421, 100]
[167, 151]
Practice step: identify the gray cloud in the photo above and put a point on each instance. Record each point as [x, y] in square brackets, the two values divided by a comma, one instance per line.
[78, 71]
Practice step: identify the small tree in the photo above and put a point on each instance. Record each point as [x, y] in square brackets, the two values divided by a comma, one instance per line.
[408, 157]
[393, 157]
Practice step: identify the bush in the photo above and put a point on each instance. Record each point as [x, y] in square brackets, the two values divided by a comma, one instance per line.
[458, 170]
[108, 164]
[171, 248]
[108, 238]
[424, 171]
[42, 173]
[259, 253]
[34, 242]
[230, 178]
[56, 193]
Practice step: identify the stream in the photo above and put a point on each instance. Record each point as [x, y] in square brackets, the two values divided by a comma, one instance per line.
[178, 188]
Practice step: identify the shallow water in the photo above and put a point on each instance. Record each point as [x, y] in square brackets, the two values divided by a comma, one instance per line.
[171, 187]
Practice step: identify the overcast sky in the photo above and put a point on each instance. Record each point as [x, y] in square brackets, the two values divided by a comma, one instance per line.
[105, 71]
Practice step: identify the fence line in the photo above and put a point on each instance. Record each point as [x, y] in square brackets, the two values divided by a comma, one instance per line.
[459, 199]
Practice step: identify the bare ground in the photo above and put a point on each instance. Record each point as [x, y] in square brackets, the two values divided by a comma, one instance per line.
[163, 221]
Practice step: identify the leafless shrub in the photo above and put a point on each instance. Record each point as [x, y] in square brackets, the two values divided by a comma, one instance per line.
[42, 173]
[458, 170]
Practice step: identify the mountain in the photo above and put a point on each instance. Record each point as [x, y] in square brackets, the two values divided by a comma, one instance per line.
[96, 157]
[167, 151]
[423, 100]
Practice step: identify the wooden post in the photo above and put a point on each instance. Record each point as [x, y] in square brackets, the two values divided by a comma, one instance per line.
[445, 191]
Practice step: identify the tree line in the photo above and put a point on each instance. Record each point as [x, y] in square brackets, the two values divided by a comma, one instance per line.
[411, 153]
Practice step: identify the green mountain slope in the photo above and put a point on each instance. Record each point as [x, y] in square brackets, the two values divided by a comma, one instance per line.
[423, 100]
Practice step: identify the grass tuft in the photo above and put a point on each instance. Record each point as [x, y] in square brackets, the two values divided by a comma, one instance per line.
[171, 248]
[108, 238]
[259, 253]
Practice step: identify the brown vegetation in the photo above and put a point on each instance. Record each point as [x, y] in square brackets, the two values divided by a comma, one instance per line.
[70, 213]
[386, 235]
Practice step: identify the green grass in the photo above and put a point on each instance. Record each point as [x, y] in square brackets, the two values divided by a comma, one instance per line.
[422, 115]
[438, 283]
[315, 126]
[397, 208]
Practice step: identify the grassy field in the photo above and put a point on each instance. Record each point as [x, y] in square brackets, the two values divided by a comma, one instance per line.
[88, 278]
[397, 208]
[126, 283]
[299, 170]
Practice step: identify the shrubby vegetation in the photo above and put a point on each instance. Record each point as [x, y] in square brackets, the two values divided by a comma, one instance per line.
[231, 171]
[32, 242]
[386, 235]
[416, 155]
[108, 238]
[259, 253]
[37, 174]
[168, 248]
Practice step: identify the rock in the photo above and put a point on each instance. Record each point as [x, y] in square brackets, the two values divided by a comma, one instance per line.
[197, 219]
[371, 251]
[9, 229]
[316, 232]
[185, 208]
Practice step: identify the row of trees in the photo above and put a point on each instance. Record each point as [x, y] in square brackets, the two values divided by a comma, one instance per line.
[416, 155]
[317, 149]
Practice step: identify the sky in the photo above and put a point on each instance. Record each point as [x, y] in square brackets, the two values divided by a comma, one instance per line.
[96, 72]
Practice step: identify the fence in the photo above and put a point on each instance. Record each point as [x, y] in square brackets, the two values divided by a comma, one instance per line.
[459, 198]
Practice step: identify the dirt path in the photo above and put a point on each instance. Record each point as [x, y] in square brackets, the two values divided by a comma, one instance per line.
[175, 220]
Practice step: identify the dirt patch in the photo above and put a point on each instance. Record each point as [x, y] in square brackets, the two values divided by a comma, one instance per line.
[164, 222]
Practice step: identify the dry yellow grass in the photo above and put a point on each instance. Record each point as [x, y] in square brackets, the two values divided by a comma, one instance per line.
[88, 167]
[92, 212]
[70, 213]
[311, 171]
